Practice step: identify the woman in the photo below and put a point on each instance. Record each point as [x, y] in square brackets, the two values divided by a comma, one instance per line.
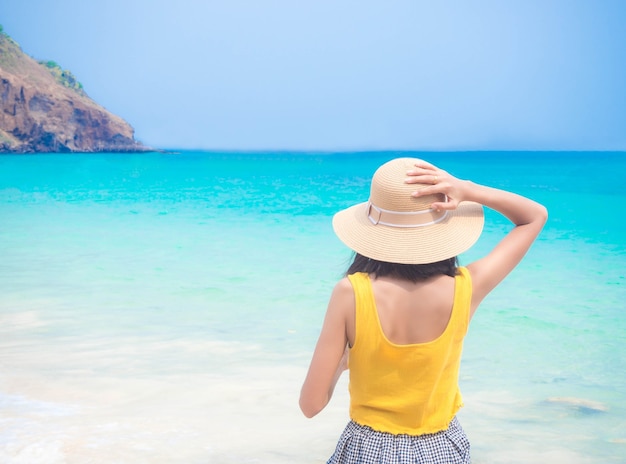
[401, 313]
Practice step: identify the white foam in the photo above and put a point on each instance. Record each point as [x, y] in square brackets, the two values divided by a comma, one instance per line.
[24, 320]
[231, 406]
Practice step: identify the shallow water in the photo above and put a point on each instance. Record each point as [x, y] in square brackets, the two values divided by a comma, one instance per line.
[163, 308]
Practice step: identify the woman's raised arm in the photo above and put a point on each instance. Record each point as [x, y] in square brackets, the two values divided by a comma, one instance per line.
[527, 216]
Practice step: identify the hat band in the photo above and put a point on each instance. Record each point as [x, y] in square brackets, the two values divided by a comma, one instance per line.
[389, 218]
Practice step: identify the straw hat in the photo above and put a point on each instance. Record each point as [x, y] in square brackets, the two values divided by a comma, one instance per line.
[395, 227]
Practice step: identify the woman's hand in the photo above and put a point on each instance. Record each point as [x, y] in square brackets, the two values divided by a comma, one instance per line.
[437, 181]
[527, 216]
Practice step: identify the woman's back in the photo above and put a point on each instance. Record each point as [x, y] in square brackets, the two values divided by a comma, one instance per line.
[405, 357]
[411, 313]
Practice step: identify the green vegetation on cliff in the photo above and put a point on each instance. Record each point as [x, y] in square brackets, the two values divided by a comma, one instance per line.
[44, 109]
[63, 76]
[10, 51]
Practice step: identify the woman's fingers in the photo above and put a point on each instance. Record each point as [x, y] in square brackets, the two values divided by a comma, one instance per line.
[441, 187]
[424, 176]
[435, 181]
[423, 179]
[417, 171]
[424, 165]
[447, 205]
[425, 173]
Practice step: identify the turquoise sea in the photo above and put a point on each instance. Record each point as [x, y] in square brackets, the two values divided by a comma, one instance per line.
[163, 308]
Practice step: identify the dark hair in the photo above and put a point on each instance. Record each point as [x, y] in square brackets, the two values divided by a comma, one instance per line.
[410, 272]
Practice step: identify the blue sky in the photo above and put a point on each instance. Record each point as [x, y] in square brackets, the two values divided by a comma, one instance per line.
[344, 75]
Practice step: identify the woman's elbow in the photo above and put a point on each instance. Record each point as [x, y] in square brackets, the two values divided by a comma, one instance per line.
[538, 218]
[310, 408]
[543, 214]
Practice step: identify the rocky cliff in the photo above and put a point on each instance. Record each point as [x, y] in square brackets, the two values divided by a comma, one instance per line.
[44, 109]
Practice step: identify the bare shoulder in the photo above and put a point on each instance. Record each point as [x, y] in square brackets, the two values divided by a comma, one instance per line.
[343, 286]
[343, 294]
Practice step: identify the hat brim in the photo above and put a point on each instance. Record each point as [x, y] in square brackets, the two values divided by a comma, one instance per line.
[453, 235]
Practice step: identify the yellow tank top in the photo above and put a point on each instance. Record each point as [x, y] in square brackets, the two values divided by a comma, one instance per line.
[410, 389]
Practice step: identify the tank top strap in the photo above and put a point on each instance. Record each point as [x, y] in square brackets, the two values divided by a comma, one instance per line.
[462, 299]
[366, 318]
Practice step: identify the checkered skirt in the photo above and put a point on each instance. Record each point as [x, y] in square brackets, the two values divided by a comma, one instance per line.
[360, 444]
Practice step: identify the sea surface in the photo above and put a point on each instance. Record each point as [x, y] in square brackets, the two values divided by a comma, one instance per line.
[163, 308]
